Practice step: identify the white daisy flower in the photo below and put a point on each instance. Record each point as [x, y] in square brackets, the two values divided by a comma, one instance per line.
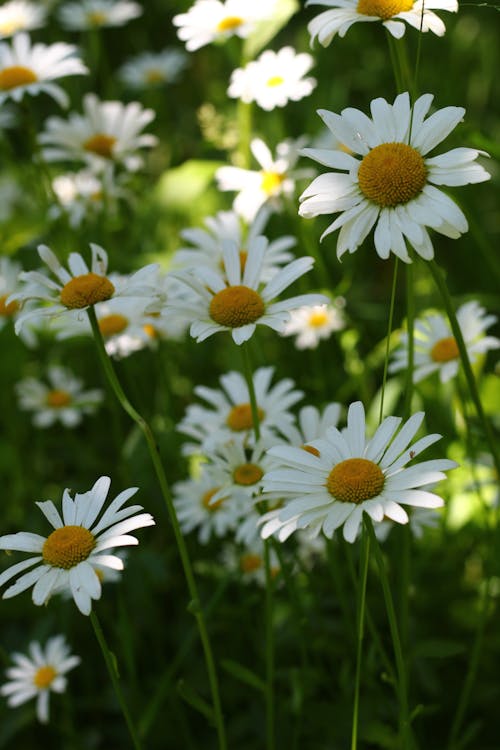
[236, 300]
[352, 475]
[213, 20]
[38, 673]
[80, 286]
[61, 400]
[91, 14]
[392, 186]
[151, 69]
[9, 284]
[275, 178]
[106, 132]
[312, 323]
[20, 15]
[312, 423]
[248, 562]
[237, 469]
[226, 225]
[435, 347]
[392, 13]
[26, 69]
[67, 556]
[274, 79]
[230, 415]
[86, 194]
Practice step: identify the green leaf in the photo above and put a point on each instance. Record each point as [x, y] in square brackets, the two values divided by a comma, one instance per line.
[438, 649]
[243, 674]
[268, 29]
[195, 700]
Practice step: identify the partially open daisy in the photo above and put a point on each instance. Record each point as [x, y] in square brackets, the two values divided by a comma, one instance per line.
[107, 132]
[27, 69]
[392, 186]
[435, 347]
[20, 15]
[274, 79]
[79, 287]
[311, 324]
[66, 557]
[37, 674]
[152, 69]
[236, 300]
[91, 14]
[392, 13]
[352, 475]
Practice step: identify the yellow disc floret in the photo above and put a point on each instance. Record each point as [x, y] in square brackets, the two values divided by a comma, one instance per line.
[111, 325]
[6, 310]
[44, 676]
[85, 290]
[16, 75]
[236, 306]
[229, 23]
[384, 8]
[392, 174]
[240, 417]
[271, 182]
[250, 562]
[205, 500]
[58, 399]
[96, 18]
[247, 474]
[355, 480]
[100, 144]
[68, 546]
[445, 350]
[318, 318]
[275, 81]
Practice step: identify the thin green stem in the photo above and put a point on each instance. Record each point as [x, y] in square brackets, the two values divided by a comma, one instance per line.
[360, 625]
[115, 679]
[247, 369]
[195, 604]
[395, 61]
[388, 338]
[410, 321]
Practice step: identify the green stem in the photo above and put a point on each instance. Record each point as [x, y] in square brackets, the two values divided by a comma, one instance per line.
[360, 618]
[247, 369]
[388, 337]
[270, 721]
[113, 673]
[244, 119]
[410, 324]
[195, 605]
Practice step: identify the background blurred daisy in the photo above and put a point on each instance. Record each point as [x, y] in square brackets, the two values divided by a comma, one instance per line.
[312, 323]
[20, 15]
[90, 14]
[153, 69]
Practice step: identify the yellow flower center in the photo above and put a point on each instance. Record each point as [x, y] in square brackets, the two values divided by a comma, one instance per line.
[57, 399]
[85, 290]
[240, 417]
[355, 480]
[205, 500]
[44, 676]
[154, 76]
[311, 449]
[8, 309]
[96, 18]
[383, 8]
[250, 562]
[275, 81]
[16, 75]
[229, 23]
[445, 350]
[391, 174]
[318, 318]
[150, 330]
[68, 546]
[271, 182]
[236, 306]
[247, 474]
[112, 324]
[100, 144]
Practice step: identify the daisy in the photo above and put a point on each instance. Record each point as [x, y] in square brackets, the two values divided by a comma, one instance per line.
[275, 178]
[80, 286]
[352, 475]
[26, 69]
[392, 186]
[38, 673]
[62, 400]
[229, 413]
[435, 347]
[312, 423]
[312, 323]
[212, 20]
[106, 132]
[86, 194]
[152, 69]
[274, 79]
[20, 15]
[67, 556]
[91, 14]
[392, 13]
[237, 469]
[247, 562]
[236, 300]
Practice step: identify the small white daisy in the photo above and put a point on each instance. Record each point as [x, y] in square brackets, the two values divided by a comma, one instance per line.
[435, 347]
[236, 300]
[84, 195]
[392, 186]
[275, 178]
[247, 563]
[20, 15]
[392, 13]
[152, 69]
[106, 132]
[27, 69]
[38, 673]
[61, 400]
[312, 323]
[213, 20]
[91, 14]
[237, 469]
[274, 79]
[66, 557]
[352, 475]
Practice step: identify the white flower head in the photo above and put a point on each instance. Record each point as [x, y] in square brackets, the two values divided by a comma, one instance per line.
[66, 557]
[20, 15]
[31, 69]
[274, 79]
[86, 194]
[352, 475]
[38, 673]
[392, 13]
[392, 186]
[247, 562]
[237, 469]
[435, 347]
[91, 14]
[311, 324]
[152, 69]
